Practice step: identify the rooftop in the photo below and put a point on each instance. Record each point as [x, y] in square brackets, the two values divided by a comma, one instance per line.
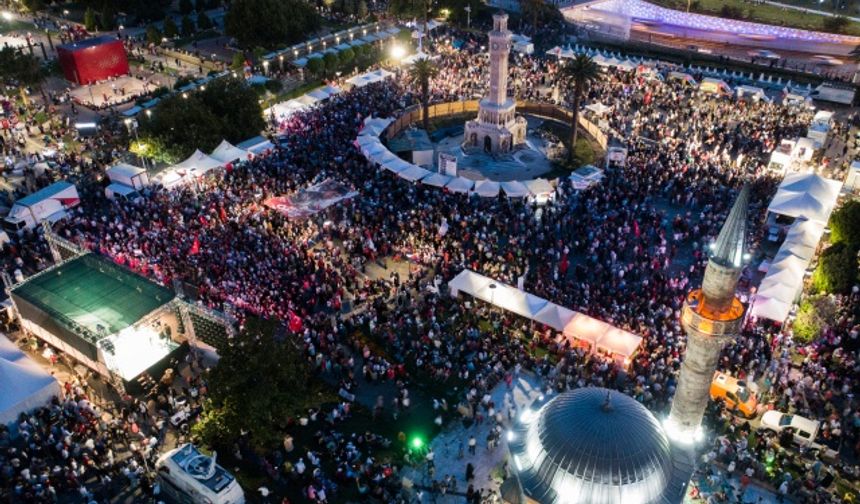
[93, 293]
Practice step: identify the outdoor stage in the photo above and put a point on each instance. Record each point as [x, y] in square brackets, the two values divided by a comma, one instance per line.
[111, 92]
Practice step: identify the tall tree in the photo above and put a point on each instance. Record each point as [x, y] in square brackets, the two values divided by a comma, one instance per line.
[270, 23]
[421, 72]
[255, 398]
[579, 73]
[22, 69]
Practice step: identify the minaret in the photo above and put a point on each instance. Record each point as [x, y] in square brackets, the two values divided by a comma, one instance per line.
[500, 50]
[711, 317]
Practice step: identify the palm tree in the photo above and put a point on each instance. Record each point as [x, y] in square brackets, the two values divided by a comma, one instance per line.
[580, 72]
[420, 74]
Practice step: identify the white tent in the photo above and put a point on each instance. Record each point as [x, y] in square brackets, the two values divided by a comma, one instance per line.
[413, 173]
[585, 328]
[332, 90]
[619, 342]
[227, 152]
[799, 205]
[397, 165]
[539, 187]
[787, 261]
[256, 145]
[822, 189]
[469, 282]
[487, 188]
[515, 189]
[285, 109]
[786, 293]
[24, 386]
[307, 100]
[769, 308]
[375, 125]
[460, 185]
[806, 232]
[374, 150]
[437, 180]
[555, 316]
[319, 94]
[199, 163]
[9, 351]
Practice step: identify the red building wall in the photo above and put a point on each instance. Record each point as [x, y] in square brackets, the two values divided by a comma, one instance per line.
[93, 60]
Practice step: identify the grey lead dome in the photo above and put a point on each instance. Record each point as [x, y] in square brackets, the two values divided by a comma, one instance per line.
[595, 446]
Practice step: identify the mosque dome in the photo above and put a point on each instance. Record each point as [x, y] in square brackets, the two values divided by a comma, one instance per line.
[593, 446]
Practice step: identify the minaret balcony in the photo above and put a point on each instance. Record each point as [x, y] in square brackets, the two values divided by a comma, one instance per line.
[697, 317]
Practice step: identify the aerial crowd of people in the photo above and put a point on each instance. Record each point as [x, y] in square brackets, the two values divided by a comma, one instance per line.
[625, 251]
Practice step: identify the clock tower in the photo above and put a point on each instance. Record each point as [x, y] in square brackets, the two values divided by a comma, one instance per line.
[497, 128]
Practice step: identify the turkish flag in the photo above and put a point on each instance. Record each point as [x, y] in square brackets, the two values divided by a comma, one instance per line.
[195, 247]
[295, 322]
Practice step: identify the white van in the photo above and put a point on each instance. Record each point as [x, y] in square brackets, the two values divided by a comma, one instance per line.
[48, 204]
[805, 430]
[122, 192]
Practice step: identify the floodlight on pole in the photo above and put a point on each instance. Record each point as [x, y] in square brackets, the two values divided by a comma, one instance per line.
[7, 16]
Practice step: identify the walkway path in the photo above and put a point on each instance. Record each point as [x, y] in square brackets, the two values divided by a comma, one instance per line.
[446, 446]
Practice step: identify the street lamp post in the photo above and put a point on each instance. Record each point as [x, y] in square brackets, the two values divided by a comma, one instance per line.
[468, 10]
[266, 68]
[131, 124]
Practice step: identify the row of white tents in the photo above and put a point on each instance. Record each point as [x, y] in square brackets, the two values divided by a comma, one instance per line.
[371, 146]
[199, 163]
[809, 199]
[285, 109]
[573, 326]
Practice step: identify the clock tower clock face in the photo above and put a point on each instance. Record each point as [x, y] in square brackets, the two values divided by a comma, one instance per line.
[495, 46]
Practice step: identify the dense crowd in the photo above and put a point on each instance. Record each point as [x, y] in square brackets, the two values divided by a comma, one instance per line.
[625, 251]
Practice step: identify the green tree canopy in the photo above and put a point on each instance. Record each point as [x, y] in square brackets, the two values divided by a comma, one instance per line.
[237, 106]
[332, 61]
[845, 224]
[837, 270]
[90, 21]
[270, 23]
[185, 7]
[20, 68]
[170, 28]
[257, 398]
[203, 21]
[187, 26]
[316, 66]
[227, 109]
[153, 35]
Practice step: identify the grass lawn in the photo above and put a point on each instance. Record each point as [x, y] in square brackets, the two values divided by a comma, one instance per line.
[761, 13]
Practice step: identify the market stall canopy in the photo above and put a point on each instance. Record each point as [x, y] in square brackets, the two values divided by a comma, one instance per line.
[437, 180]
[619, 342]
[539, 187]
[375, 125]
[24, 385]
[199, 162]
[227, 152]
[257, 145]
[413, 173]
[585, 328]
[397, 165]
[515, 189]
[460, 185]
[800, 205]
[822, 189]
[487, 188]
[555, 316]
[769, 308]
